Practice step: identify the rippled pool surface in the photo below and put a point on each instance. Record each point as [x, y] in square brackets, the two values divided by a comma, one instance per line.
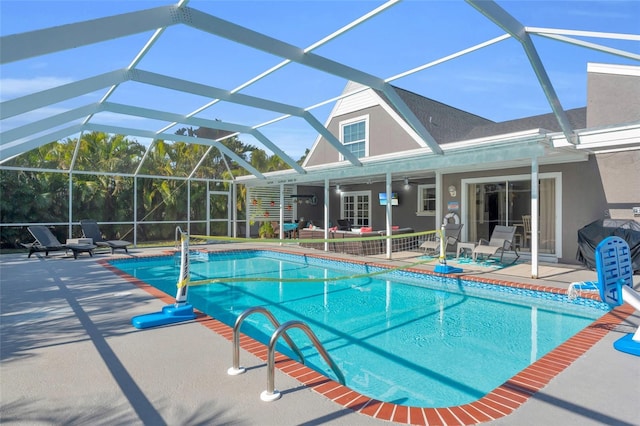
[401, 337]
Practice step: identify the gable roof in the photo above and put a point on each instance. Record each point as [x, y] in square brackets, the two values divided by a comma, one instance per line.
[577, 118]
[449, 124]
[444, 122]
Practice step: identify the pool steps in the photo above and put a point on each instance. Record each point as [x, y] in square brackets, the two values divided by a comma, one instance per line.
[271, 394]
[236, 369]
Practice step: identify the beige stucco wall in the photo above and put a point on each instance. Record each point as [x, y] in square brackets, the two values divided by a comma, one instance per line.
[385, 136]
[620, 173]
[612, 99]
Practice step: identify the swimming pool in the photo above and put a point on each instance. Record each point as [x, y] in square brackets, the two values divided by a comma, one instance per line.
[402, 337]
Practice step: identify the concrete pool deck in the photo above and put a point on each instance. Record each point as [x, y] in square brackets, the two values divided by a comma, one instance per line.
[70, 356]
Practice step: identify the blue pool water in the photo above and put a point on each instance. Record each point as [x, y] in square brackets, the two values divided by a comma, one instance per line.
[401, 337]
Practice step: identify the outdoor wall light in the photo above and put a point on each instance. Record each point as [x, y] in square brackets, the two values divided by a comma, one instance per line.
[452, 190]
[338, 188]
[406, 183]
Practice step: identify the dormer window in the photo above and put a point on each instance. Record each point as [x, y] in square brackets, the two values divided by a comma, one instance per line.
[354, 134]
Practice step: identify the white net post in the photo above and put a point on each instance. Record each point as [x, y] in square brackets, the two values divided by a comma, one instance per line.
[183, 279]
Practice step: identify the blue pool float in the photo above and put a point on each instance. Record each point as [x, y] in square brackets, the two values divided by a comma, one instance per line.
[615, 282]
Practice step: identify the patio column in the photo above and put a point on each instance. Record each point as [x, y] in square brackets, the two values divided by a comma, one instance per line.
[135, 211]
[439, 209]
[534, 217]
[70, 201]
[326, 213]
[234, 209]
[281, 220]
[389, 214]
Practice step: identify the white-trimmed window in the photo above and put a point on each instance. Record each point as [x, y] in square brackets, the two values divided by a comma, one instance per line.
[427, 204]
[356, 207]
[354, 135]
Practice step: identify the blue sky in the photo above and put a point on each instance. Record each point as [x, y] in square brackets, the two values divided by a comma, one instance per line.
[496, 82]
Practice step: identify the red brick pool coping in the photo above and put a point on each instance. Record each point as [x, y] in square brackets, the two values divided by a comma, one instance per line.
[498, 403]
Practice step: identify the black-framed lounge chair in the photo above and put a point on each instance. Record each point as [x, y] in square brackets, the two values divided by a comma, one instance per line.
[344, 225]
[45, 241]
[91, 230]
[451, 236]
[501, 240]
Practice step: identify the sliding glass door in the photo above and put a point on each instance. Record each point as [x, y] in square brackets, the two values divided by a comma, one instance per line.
[507, 201]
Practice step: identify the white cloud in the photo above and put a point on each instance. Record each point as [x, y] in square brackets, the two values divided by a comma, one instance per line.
[16, 87]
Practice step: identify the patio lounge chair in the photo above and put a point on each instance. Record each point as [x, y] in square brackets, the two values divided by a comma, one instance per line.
[501, 240]
[451, 236]
[91, 230]
[45, 241]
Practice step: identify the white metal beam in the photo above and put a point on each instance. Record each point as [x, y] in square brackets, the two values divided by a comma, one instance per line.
[67, 91]
[319, 127]
[201, 122]
[239, 34]
[504, 20]
[17, 148]
[136, 60]
[242, 99]
[411, 118]
[176, 138]
[592, 46]
[21, 46]
[68, 36]
[47, 123]
[581, 33]
[313, 46]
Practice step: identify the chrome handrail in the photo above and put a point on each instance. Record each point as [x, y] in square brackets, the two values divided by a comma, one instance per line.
[271, 394]
[236, 369]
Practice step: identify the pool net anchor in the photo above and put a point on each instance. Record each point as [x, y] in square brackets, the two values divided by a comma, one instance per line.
[180, 310]
[442, 267]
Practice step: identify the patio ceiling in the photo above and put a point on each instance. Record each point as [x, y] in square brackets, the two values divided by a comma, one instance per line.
[144, 98]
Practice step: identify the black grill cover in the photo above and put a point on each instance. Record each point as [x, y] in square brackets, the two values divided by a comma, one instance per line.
[591, 235]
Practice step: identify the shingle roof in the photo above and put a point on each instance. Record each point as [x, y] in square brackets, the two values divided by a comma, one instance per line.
[444, 122]
[449, 124]
[577, 118]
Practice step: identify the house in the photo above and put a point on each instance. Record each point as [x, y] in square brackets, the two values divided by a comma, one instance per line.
[585, 160]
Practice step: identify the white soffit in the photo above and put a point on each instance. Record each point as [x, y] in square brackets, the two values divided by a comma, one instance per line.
[604, 139]
[615, 69]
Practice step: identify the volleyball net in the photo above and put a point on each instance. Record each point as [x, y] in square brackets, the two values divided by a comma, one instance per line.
[405, 246]
[352, 243]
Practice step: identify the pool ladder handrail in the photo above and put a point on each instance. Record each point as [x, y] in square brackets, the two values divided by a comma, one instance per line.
[271, 394]
[236, 369]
